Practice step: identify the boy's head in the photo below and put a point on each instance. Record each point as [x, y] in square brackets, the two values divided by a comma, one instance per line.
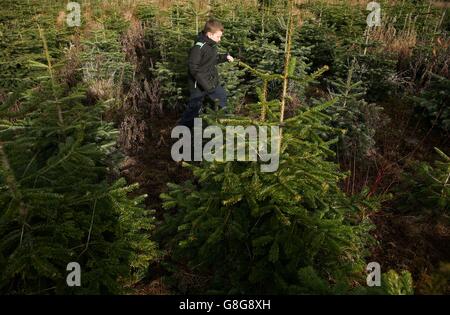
[213, 29]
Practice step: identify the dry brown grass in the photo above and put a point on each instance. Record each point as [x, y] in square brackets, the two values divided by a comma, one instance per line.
[61, 18]
[400, 41]
[403, 41]
[441, 4]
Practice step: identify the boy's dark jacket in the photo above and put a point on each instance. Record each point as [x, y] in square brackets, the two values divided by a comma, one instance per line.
[203, 58]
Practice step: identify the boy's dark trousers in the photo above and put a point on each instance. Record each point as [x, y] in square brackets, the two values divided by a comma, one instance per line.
[195, 103]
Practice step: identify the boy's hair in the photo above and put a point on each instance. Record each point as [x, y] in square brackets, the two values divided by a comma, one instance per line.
[212, 26]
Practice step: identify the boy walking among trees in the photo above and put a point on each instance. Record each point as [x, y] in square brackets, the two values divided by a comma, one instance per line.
[203, 77]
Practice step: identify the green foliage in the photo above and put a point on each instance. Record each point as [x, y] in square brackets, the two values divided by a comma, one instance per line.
[270, 3]
[103, 63]
[425, 189]
[375, 70]
[353, 114]
[172, 91]
[233, 81]
[59, 201]
[322, 42]
[346, 21]
[255, 232]
[168, 42]
[244, 231]
[337, 33]
[113, 20]
[397, 284]
[20, 41]
[434, 101]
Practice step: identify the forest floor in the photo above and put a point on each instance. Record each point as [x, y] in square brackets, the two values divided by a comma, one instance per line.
[408, 241]
[153, 168]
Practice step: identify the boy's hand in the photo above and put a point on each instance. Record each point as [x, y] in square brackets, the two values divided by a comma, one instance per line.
[229, 58]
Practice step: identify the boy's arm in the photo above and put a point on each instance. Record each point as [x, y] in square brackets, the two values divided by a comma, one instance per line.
[194, 68]
[221, 58]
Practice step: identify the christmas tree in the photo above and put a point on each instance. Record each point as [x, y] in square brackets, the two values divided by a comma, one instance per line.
[355, 115]
[60, 201]
[288, 231]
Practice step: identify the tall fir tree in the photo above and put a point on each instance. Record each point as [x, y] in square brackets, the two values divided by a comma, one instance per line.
[60, 200]
[352, 113]
[288, 231]
[425, 189]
